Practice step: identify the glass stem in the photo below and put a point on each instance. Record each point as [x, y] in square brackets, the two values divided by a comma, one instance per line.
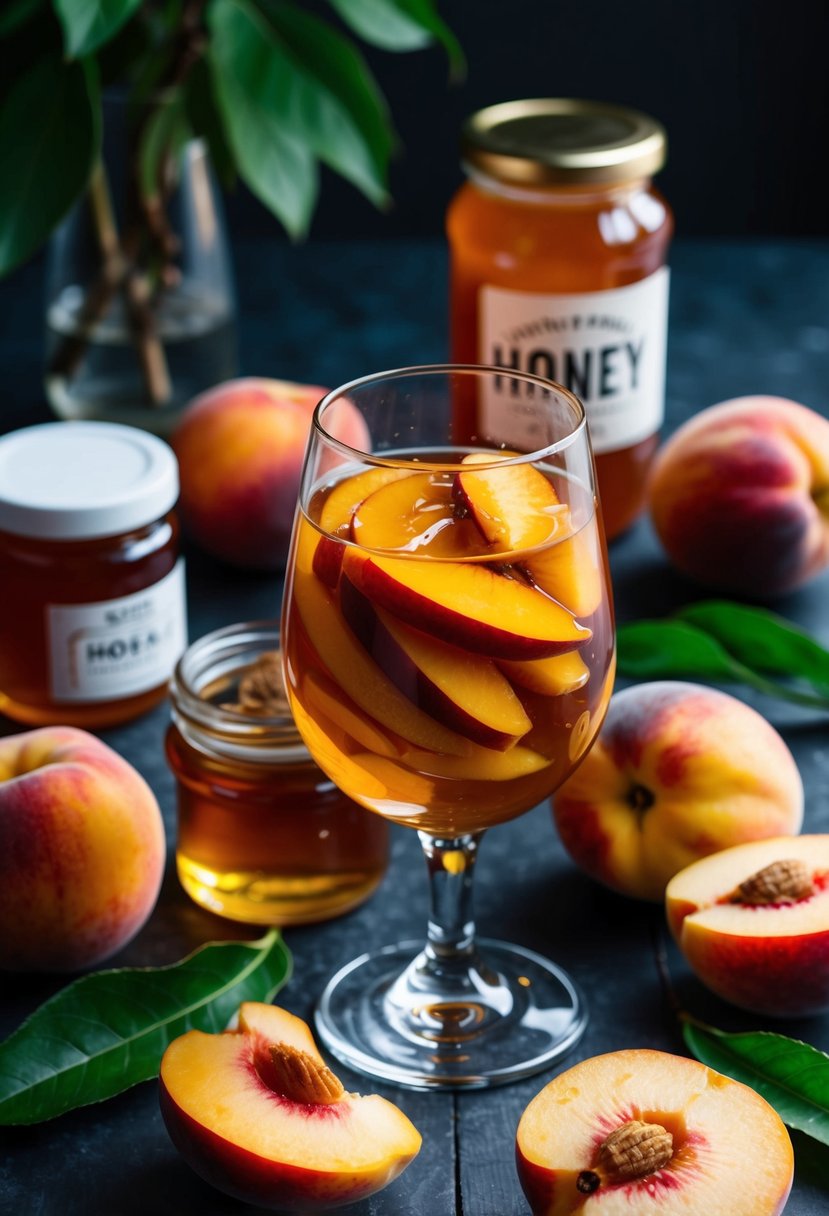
[451, 933]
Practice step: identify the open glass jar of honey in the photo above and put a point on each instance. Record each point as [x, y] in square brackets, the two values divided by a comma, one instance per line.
[92, 605]
[264, 836]
[558, 244]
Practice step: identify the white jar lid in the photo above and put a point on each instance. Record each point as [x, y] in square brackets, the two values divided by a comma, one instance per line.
[79, 480]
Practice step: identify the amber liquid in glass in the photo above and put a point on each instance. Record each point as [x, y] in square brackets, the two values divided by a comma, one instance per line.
[501, 241]
[271, 844]
[379, 731]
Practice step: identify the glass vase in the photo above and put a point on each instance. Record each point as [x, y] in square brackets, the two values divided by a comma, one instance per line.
[140, 305]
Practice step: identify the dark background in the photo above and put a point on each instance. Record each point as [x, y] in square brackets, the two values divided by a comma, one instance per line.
[742, 87]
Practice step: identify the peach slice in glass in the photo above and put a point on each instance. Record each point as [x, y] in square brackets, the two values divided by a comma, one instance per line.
[467, 693]
[335, 517]
[467, 605]
[256, 1112]
[417, 515]
[515, 506]
[552, 677]
[362, 682]
[517, 509]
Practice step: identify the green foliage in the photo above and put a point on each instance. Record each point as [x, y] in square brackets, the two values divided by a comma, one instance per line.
[728, 642]
[273, 89]
[792, 1076]
[108, 1031]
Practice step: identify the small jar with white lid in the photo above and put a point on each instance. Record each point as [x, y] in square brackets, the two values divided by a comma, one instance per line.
[92, 598]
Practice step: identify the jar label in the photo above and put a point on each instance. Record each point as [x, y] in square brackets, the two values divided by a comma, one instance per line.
[607, 347]
[117, 648]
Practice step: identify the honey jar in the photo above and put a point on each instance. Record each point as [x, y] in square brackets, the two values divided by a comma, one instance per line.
[558, 243]
[92, 601]
[264, 836]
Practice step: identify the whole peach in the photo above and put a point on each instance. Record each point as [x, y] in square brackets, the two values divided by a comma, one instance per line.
[82, 850]
[240, 448]
[678, 771]
[739, 496]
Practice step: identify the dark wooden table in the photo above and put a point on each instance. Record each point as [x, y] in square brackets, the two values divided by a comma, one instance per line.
[744, 319]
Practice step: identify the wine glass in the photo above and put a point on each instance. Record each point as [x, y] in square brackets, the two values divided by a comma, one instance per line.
[449, 655]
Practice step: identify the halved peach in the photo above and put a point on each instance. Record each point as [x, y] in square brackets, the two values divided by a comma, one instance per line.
[552, 677]
[416, 514]
[753, 923]
[640, 1132]
[467, 605]
[465, 692]
[256, 1112]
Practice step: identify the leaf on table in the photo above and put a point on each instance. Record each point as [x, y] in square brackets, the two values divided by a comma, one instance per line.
[722, 641]
[108, 1031]
[762, 640]
[792, 1076]
[662, 649]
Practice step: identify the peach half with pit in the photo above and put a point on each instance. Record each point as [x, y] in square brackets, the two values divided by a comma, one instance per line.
[637, 1132]
[753, 923]
[678, 771]
[259, 1115]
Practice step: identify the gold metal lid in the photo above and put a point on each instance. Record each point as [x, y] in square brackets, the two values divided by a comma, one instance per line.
[562, 141]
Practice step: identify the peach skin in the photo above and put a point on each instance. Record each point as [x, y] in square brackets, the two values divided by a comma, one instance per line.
[637, 1132]
[678, 771]
[82, 850]
[258, 1114]
[240, 448]
[753, 923]
[739, 496]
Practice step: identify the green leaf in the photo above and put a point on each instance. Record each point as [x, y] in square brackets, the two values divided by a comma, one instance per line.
[329, 98]
[762, 640]
[275, 165]
[108, 1031]
[15, 13]
[88, 24]
[49, 141]
[649, 650]
[400, 25]
[792, 1076]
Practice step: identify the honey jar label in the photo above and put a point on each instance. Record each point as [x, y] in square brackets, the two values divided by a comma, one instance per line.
[607, 347]
[117, 648]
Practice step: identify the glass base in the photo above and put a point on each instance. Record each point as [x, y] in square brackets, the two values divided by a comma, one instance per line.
[510, 1016]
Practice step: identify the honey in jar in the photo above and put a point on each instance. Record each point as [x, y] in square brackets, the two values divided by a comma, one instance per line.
[264, 836]
[92, 606]
[558, 244]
